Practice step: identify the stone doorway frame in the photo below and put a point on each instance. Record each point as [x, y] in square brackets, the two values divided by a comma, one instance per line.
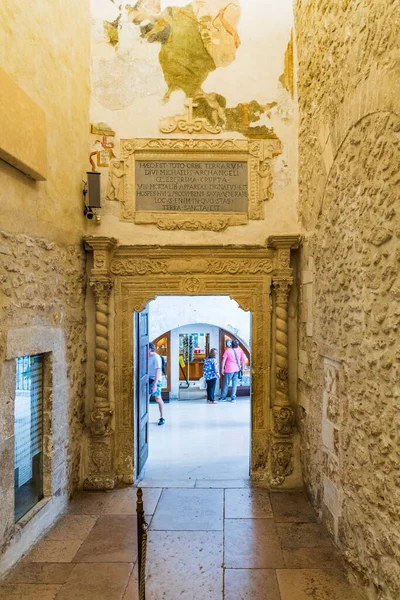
[127, 278]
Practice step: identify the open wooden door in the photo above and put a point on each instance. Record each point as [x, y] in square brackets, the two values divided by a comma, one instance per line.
[142, 387]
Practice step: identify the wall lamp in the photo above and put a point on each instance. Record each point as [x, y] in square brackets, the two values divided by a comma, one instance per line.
[91, 195]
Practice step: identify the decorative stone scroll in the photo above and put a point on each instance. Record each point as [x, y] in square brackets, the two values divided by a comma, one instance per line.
[139, 273]
[257, 154]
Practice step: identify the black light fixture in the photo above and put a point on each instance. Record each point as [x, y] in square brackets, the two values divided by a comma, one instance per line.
[91, 195]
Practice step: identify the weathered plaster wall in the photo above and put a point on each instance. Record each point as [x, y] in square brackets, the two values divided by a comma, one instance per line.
[231, 58]
[349, 156]
[44, 48]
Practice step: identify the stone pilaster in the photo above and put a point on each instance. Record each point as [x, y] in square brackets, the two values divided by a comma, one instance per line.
[100, 473]
[282, 459]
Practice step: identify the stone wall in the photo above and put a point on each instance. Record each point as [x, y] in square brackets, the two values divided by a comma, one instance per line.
[348, 90]
[44, 48]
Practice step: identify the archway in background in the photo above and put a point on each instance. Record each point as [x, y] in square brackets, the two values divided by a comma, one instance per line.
[198, 441]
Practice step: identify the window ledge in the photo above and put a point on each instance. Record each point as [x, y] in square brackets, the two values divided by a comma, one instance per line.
[23, 521]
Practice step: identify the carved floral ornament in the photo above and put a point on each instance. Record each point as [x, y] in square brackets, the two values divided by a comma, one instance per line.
[143, 266]
[100, 421]
[282, 462]
[101, 288]
[283, 420]
[282, 289]
[258, 155]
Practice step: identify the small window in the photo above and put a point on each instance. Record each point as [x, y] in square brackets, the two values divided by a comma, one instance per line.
[28, 430]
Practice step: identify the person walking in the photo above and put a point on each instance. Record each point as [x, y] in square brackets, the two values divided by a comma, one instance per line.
[232, 368]
[211, 374]
[155, 381]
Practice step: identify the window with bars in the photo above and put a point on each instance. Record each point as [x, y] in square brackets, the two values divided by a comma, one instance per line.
[28, 431]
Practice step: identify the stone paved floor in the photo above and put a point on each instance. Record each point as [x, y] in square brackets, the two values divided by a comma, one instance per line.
[198, 442]
[204, 544]
[211, 536]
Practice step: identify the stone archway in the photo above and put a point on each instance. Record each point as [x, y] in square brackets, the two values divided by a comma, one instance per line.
[134, 275]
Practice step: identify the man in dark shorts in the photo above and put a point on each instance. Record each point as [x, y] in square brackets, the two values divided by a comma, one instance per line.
[155, 382]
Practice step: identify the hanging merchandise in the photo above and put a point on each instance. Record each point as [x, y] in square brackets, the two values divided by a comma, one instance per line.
[191, 345]
[186, 346]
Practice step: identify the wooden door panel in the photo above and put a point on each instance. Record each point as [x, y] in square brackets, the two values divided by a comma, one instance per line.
[142, 387]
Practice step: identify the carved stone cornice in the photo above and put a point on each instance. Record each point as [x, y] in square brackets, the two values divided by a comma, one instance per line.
[291, 242]
[162, 145]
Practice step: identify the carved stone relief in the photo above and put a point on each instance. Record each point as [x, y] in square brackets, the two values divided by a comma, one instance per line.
[282, 462]
[257, 153]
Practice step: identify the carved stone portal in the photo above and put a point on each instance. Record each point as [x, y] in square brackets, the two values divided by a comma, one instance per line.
[135, 275]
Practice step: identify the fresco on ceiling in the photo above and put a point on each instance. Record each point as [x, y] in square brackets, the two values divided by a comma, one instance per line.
[194, 41]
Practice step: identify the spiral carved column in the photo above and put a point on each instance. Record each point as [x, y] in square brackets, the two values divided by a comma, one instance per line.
[100, 474]
[101, 413]
[100, 467]
[283, 415]
[281, 342]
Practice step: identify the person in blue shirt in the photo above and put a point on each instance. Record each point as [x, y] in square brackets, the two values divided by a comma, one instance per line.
[211, 374]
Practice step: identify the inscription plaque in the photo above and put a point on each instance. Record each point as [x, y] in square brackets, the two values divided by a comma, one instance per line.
[191, 186]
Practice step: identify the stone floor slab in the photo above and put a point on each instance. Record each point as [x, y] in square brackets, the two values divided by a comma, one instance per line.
[167, 483]
[88, 503]
[252, 544]
[112, 539]
[315, 584]
[97, 582]
[222, 484]
[251, 584]
[185, 565]
[292, 507]
[132, 590]
[310, 558]
[203, 442]
[54, 551]
[26, 572]
[27, 591]
[123, 501]
[303, 535]
[247, 504]
[72, 527]
[193, 510]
